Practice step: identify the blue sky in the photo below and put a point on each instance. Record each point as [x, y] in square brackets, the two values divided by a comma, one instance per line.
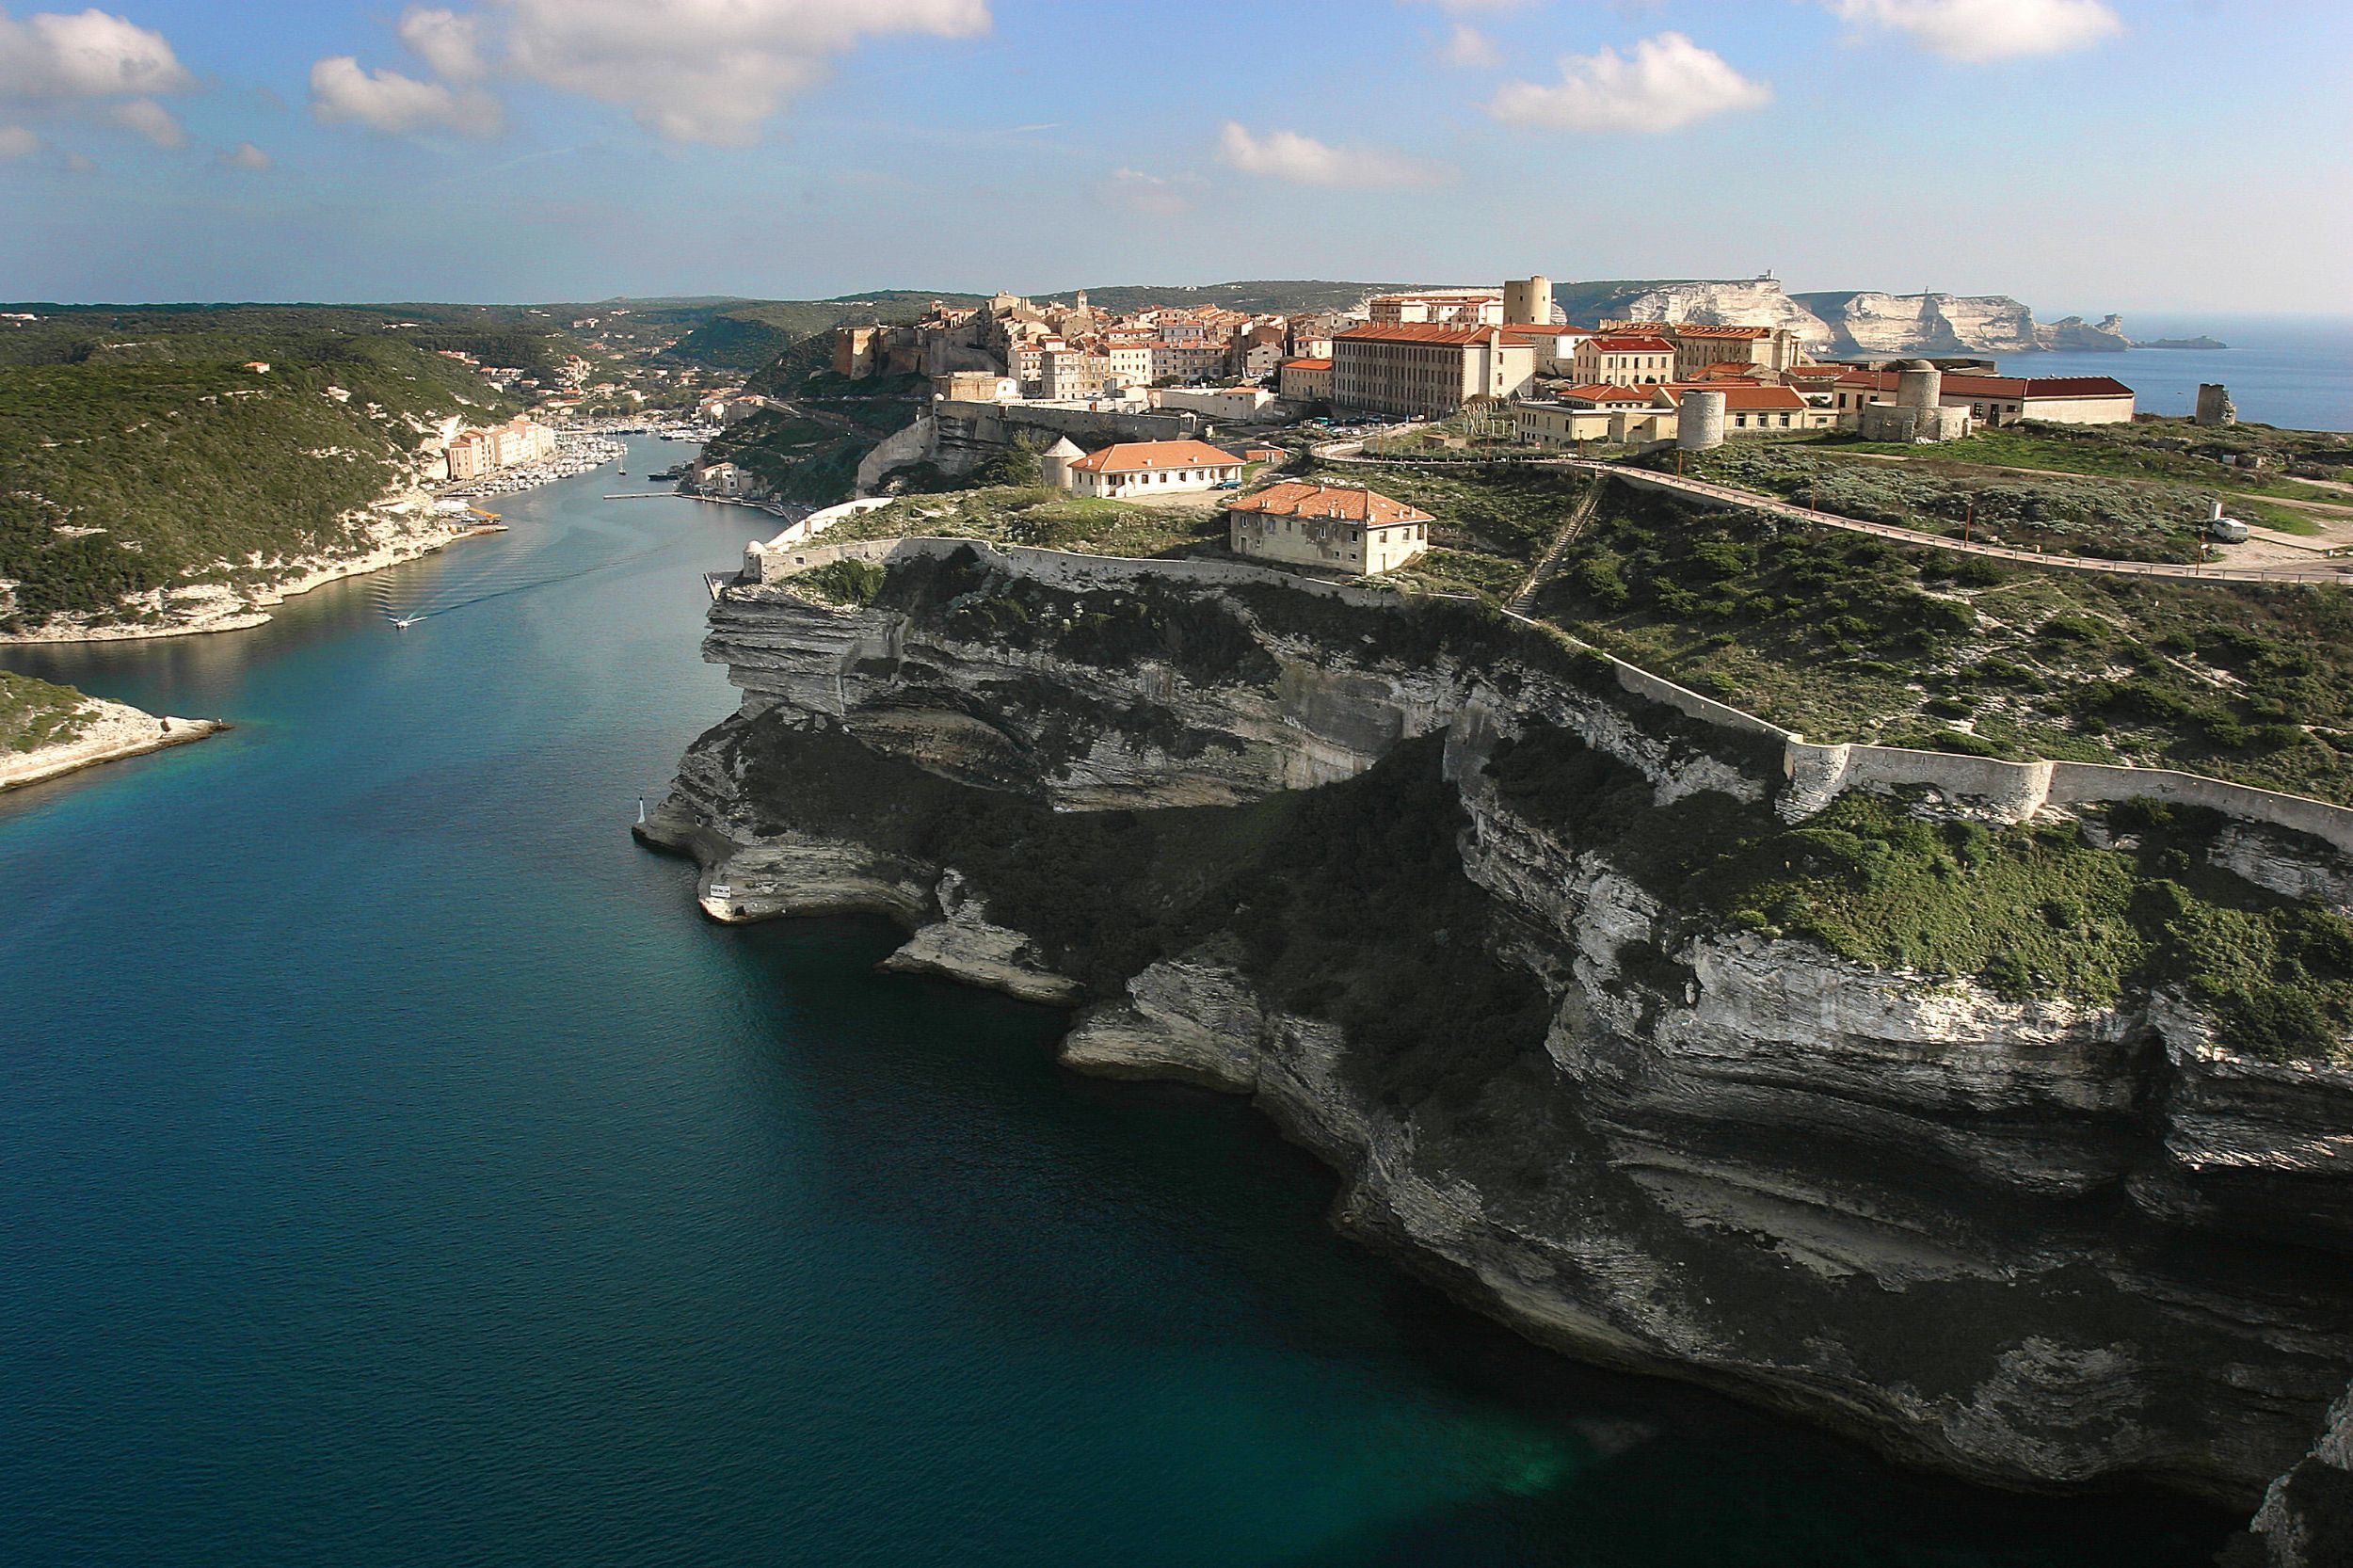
[2086, 155]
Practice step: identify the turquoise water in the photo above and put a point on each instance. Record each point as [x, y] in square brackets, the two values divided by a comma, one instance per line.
[2285, 371]
[394, 1170]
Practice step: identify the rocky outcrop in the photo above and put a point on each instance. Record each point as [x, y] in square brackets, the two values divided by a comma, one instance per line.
[2306, 1520]
[1857, 322]
[2027, 1240]
[109, 732]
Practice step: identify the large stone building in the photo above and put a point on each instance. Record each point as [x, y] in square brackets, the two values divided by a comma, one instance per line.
[1138, 471]
[1475, 307]
[1624, 359]
[1342, 527]
[1699, 346]
[1420, 371]
[1990, 400]
[1640, 415]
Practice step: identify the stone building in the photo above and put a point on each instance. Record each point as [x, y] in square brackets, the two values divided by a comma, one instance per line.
[1474, 307]
[1624, 359]
[1305, 381]
[1918, 412]
[1990, 400]
[1342, 527]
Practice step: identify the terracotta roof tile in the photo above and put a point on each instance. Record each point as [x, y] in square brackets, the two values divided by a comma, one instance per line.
[1296, 498]
[1152, 456]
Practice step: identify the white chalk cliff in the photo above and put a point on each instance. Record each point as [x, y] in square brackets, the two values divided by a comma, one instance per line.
[2031, 1242]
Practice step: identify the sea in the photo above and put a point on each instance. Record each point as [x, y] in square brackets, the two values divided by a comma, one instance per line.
[2287, 371]
[396, 1169]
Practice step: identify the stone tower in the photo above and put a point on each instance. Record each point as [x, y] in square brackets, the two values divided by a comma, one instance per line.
[1527, 301]
[2215, 406]
[1701, 427]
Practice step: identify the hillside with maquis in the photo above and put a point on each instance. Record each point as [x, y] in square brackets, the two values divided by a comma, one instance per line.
[139, 467]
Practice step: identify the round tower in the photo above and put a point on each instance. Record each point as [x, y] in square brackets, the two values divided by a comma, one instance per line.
[1701, 425]
[1054, 463]
[1919, 384]
[1527, 301]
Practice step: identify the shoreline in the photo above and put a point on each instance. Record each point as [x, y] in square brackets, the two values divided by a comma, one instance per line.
[120, 730]
[223, 609]
[219, 608]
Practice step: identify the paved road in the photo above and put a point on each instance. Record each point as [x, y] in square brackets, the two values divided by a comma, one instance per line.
[2342, 574]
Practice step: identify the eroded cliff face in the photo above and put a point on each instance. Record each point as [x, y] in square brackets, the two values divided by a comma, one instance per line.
[1866, 323]
[1268, 845]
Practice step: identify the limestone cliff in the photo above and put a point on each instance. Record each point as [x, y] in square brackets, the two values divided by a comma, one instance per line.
[1840, 323]
[1392, 871]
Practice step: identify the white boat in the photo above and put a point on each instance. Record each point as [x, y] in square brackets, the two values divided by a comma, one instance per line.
[402, 623]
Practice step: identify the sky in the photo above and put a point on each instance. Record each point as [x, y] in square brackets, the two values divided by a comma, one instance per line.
[2083, 155]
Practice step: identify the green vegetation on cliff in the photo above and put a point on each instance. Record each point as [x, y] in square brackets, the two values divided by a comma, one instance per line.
[35, 713]
[1846, 638]
[166, 462]
[2072, 494]
[2038, 909]
[1049, 520]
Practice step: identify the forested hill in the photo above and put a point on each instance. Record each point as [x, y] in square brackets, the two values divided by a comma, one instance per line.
[146, 458]
[747, 335]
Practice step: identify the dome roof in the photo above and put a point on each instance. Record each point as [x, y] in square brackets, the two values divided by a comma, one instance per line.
[1064, 448]
[1912, 364]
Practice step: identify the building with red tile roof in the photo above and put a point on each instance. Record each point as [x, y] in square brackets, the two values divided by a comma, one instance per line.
[1624, 359]
[1340, 527]
[1996, 400]
[1140, 470]
[1426, 370]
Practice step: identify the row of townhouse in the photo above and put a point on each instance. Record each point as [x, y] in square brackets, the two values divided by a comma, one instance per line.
[478, 453]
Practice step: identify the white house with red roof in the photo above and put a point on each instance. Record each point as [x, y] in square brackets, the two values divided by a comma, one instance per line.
[1340, 527]
[1138, 471]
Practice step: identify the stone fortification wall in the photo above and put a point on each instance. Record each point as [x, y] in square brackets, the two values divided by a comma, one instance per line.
[996, 423]
[2013, 791]
[1815, 775]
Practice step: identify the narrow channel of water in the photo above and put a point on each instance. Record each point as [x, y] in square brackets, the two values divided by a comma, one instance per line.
[394, 1170]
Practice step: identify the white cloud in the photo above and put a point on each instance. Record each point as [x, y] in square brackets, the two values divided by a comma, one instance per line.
[53, 55]
[1989, 29]
[1160, 195]
[80, 163]
[1302, 160]
[709, 70]
[151, 120]
[246, 155]
[17, 142]
[1668, 82]
[450, 44]
[1469, 48]
[341, 93]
